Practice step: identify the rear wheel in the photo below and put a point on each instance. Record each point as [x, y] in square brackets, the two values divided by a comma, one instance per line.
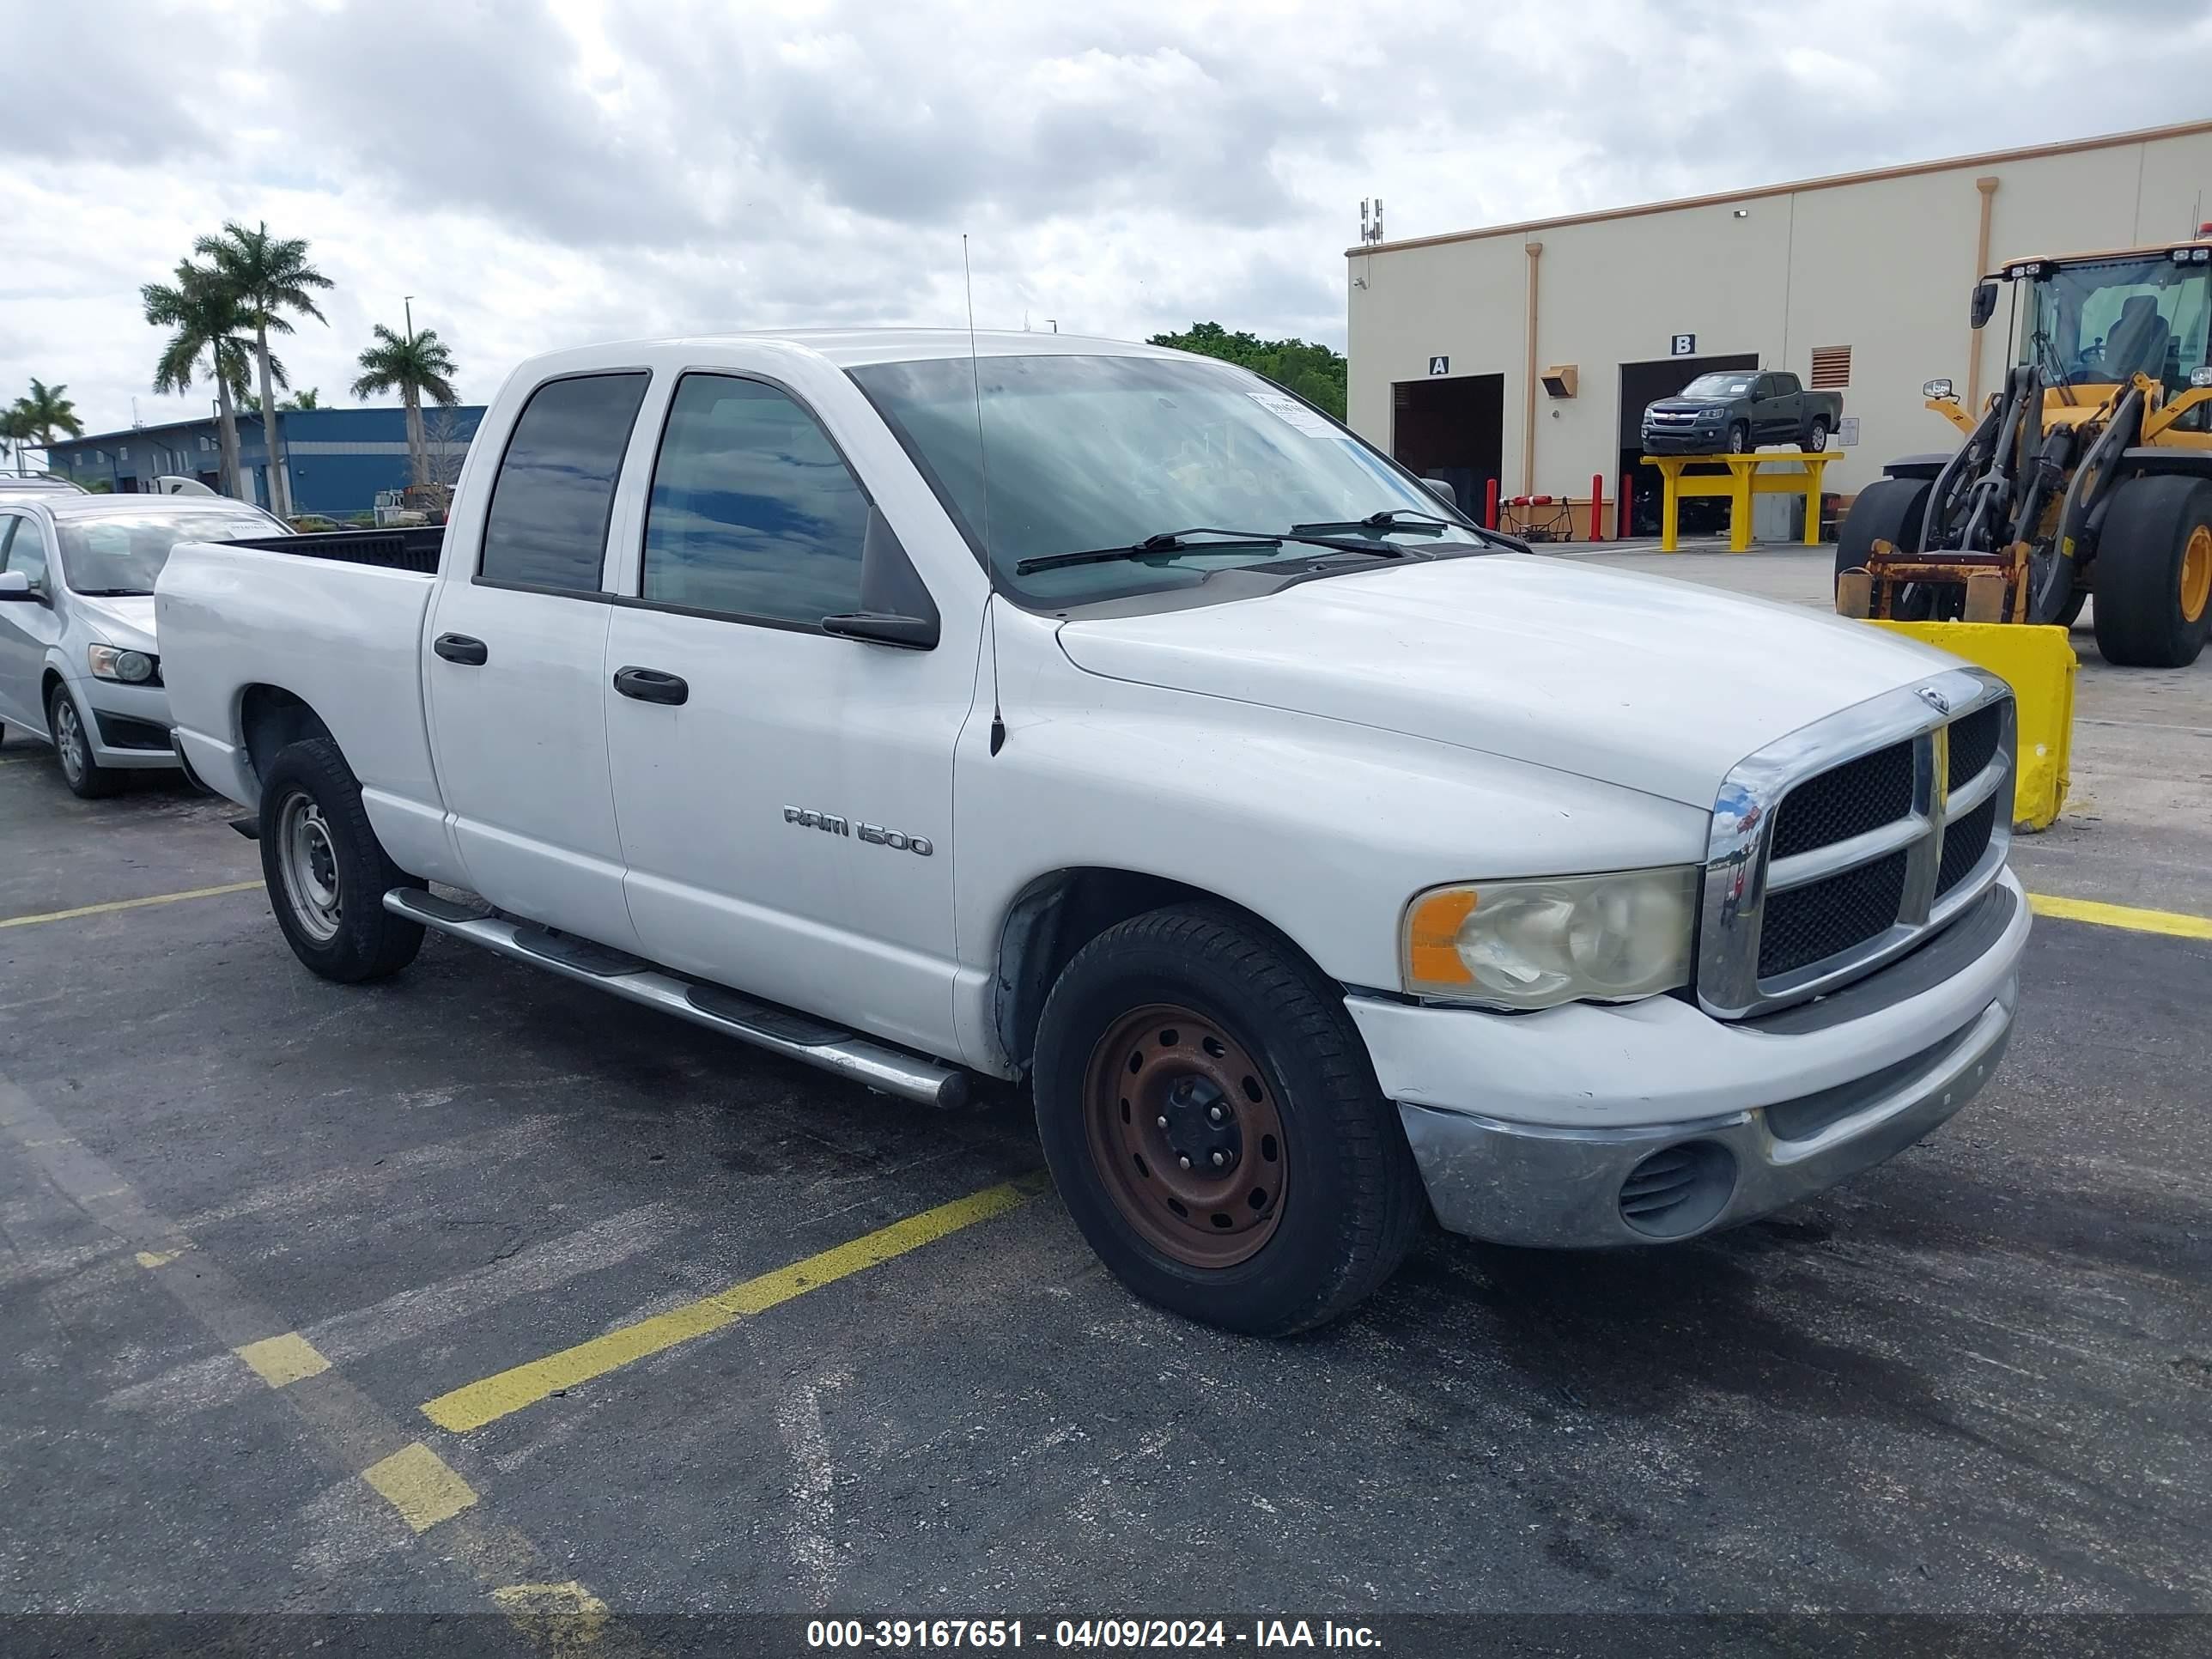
[326, 871]
[2153, 575]
[1211, 1121]
[1816, 435]
[87, 778]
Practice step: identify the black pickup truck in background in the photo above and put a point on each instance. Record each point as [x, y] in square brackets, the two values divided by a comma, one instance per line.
[1734, 411]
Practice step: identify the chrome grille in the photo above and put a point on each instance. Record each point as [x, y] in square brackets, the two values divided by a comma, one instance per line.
[1846, 844]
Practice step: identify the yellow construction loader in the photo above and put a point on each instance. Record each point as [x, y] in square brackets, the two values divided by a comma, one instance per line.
[2087, 475]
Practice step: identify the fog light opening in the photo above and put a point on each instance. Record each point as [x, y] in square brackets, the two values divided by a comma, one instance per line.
[1677, 1189]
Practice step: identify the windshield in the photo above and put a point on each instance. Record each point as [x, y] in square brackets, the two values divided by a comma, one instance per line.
[1718, 385]
[1087, 452]
[123, 552]
[2097, 324]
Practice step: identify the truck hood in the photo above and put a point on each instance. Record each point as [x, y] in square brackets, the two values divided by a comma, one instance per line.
[126, 621]
[1686, 406]
[1642, 681]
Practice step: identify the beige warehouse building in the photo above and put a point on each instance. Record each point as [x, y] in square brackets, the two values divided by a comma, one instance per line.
[1858, 282]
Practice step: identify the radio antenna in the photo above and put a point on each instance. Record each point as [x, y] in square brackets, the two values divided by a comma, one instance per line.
[975, 377]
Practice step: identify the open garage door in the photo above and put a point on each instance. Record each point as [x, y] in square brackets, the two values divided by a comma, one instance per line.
[1451, 427]
[1641, 385]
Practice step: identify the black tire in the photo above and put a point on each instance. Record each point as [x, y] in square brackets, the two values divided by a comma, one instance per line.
[1887, 510]
[72, 738]
[313, 822]
[1816, 435]
[1739, 439]
[2070, 612]
[2153, 558]
[1352, 1201]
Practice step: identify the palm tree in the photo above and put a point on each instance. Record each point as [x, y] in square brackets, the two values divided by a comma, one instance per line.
[417, 366]
[207, 318]
[14, 433]
[45, 412]
[271, 275]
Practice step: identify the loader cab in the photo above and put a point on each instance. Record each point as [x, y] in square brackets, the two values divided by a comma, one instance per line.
[2091, 323]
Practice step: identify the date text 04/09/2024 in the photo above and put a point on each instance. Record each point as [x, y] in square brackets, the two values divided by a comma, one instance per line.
[1082, 1635]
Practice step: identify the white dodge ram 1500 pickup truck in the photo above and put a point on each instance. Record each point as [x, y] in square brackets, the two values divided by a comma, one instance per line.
[927, 707]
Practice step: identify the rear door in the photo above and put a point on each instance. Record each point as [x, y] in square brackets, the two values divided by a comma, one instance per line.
[1782, 400]
[515, 658]
[27, 631]
[785, 795]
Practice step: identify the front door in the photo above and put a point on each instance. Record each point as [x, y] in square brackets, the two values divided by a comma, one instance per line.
[785, 796]
[28, 630]
[518, 647]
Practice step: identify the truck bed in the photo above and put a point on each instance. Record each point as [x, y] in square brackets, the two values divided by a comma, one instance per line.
[332, 620]
[413, 548]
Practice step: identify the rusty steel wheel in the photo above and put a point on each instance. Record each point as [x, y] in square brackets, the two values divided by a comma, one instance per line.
[1186, 1135]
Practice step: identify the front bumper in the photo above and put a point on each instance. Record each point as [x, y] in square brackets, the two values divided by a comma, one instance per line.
[1535, 1138]
[129, 725]
[1707, 441]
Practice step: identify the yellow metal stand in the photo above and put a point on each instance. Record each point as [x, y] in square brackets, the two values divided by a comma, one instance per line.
[2040, 665]
[1745, 479]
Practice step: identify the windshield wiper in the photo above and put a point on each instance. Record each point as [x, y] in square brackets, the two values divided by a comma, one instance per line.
[114, 592]
[1170, 542]
[1390, 518]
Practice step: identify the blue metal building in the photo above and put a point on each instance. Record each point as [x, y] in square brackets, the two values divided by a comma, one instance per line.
[338, 458]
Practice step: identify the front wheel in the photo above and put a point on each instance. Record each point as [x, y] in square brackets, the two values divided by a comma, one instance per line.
[2153, 573]
[1211, 1121]
[1739, 440]
[81, 770]
[326, 871]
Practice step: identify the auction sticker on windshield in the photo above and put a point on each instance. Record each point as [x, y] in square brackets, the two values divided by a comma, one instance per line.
[1296, 413]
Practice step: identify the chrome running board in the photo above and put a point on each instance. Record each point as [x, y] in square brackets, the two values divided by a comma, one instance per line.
[779, 1030]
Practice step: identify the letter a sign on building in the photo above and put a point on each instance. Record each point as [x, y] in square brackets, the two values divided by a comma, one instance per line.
[1439, 365]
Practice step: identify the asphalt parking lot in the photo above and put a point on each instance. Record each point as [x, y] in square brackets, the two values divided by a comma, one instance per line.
[475, 1292]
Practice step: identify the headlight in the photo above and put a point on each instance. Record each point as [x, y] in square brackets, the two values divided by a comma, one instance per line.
[1564, 939]
[1935, 389]
[2201, 377]
[131, 667]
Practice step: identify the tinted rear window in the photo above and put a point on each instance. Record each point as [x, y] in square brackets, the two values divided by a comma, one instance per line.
[548, 524]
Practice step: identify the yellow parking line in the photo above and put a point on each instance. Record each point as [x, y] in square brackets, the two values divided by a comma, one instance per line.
[2173, 923]
[280, 1361]
[129, 904]
[494, 1397]
[416, 1481]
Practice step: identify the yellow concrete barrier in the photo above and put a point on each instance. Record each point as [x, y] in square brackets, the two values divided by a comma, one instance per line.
[2040, 665]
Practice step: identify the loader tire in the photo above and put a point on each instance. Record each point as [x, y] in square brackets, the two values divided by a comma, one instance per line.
[1887, 510]
[2153, 577]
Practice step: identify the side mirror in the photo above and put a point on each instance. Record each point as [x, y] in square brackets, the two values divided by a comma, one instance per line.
[895, 608]
[1986, 303]
[1443, 487]
[15, 589]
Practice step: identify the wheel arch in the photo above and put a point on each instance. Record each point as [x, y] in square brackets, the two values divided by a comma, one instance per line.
[1060, 912]
[270, 717]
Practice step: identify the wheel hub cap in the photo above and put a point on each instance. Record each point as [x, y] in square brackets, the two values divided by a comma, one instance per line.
[1186, 1134]
[2196, 572]
[310, 867]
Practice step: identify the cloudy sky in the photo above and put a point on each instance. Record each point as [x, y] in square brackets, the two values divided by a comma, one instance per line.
[542, 173]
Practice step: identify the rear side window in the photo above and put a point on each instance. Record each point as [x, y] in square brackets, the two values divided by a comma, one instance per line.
[754, 513]
[555, 489]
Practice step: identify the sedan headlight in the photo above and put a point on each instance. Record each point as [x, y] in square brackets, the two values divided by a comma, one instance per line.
[131, 667]
[1538, 943]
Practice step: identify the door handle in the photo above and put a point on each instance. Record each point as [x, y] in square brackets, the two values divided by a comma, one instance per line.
[470, 652]
[651, 686]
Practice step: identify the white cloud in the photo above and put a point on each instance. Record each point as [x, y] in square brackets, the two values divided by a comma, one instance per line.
[538, 175]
